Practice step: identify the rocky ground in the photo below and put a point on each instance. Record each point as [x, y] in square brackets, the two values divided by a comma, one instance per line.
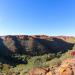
[67, 67]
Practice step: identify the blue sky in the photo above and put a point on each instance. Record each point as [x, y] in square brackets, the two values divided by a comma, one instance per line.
[30, 17]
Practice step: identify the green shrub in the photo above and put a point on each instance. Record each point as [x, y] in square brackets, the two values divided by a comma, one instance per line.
[38, 62]
[50, 56]
[55, 62]
[58, 54]
[73, 47]
[6, 68]
[20, 58]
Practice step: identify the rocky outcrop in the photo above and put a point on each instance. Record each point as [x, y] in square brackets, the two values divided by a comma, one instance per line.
[67, 67]
[39, 71]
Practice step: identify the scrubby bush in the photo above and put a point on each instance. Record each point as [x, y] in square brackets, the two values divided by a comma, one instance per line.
[5, 68]
[73, 47]
[65, 55]
[20, 58]
[55, 62]
[50, 56]
[38, 62]
[58, 54]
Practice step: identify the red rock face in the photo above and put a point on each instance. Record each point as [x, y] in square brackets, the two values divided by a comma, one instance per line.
[9, 43]
[68, 71]
[37, 71]
[66, 68]
[72, 53]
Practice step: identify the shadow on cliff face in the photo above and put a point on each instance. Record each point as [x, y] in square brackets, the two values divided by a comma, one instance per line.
[18, 45]
[61, 45]
[4, 51]
[54, 46]
[6, 55]
[40, 47]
